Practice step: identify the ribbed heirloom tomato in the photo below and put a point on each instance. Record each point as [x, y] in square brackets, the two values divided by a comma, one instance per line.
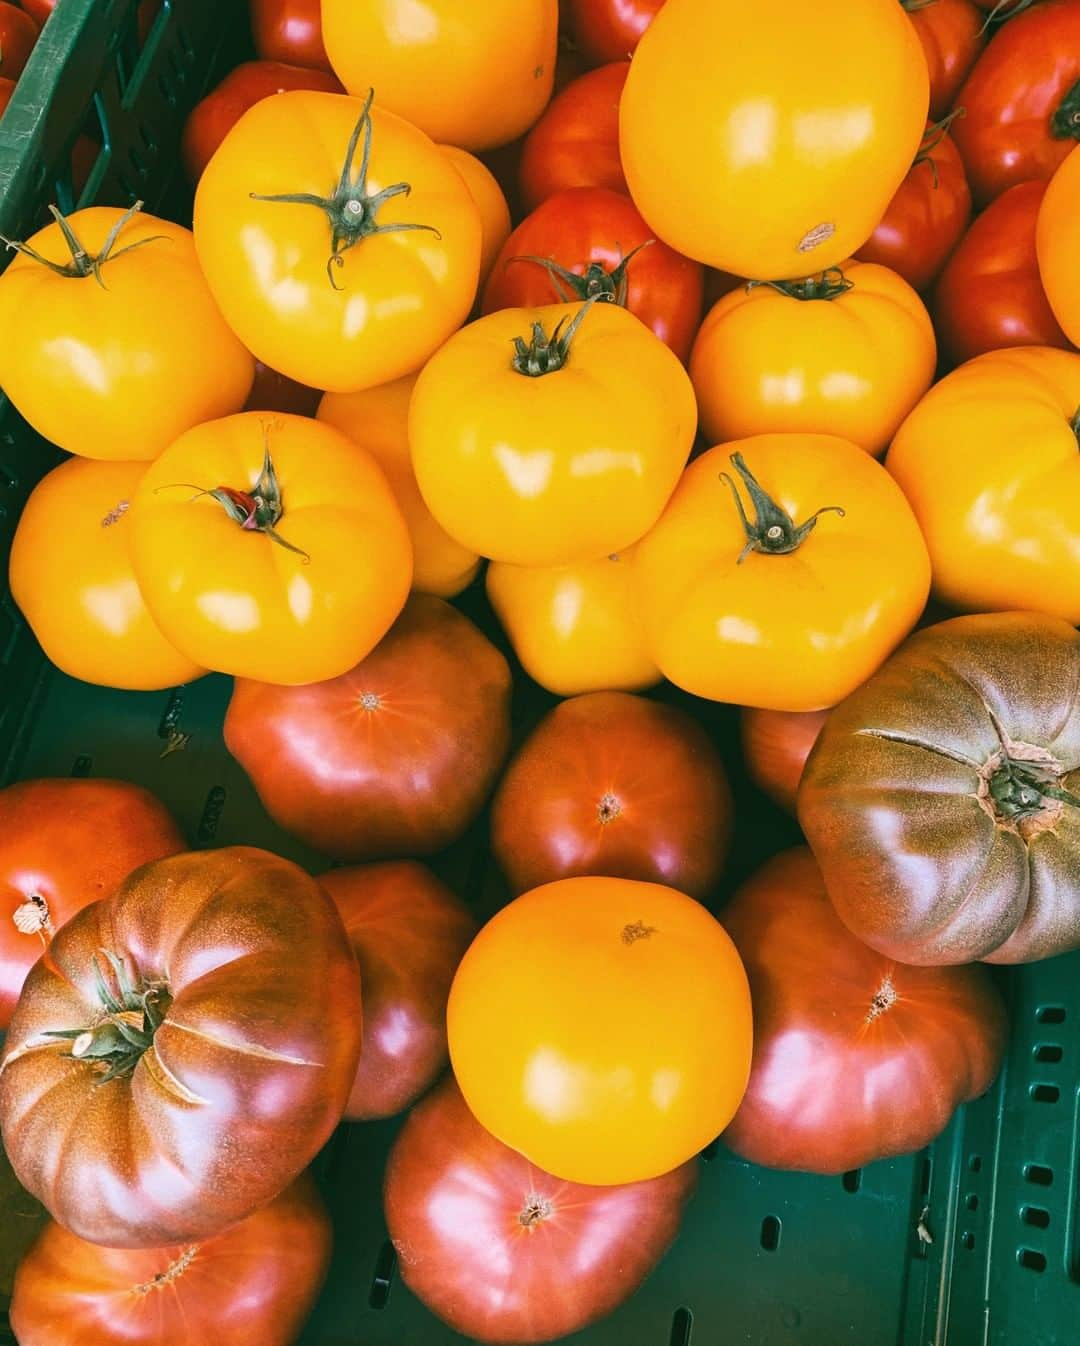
[1057, 237]
[576, 142]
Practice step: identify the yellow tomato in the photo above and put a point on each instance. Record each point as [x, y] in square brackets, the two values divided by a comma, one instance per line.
[845, 354]
[575, 628]
[989, 462]
[490, 202]
[475, 75]
[767, 139]
[792, 598]
[113, 348]
[337, 267]
[73, 580]
[602, 1028]
[378, 420]
[564, 451]
[1057, 243]
[270, 547]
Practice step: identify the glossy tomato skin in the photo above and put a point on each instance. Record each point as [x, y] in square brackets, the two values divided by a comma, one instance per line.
[590, 231]
[95, 369]
[990, 296]
[929, 854]
[490, 202]
[575, 628]
[852, 365]
[477, 77]
[63, 844]
[377, 419]
[610, 783]
[1055, 242]
[18, 34]
[289, 31]
[409, 933]
[528, 1257]
[952, 36]
[795, 631]
[927, 216]
[247, 1073]
[856, 1057]
[396, 756]
[309, 615]
[1021, 99]
[569, 466]
[1002, 528]
[252, 1285]
[579, 1080]
[393, 299]
[609, 30]
[775, 745]
[576, 142]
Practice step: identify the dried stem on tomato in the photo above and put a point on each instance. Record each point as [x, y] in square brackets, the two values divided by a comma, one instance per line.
[83, 263]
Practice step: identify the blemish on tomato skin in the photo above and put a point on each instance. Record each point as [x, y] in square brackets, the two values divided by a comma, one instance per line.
[637, 930]
[815, 237]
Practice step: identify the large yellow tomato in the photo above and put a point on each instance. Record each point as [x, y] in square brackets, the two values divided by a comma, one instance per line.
[342, 245]
[475, 75]
[575, 628]
[551, 435]
[490, 202]
[270, 547]
[1057, 243]
[784, 571]
[378, 420]
[110, 342]
[602, 1028]
[846, 353]
[989, 462]
[73, 580]
[767, 139]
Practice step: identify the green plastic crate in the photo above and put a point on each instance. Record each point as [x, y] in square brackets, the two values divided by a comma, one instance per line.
[764, 1259]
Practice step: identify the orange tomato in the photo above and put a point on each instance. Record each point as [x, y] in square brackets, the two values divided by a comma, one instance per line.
[754, 142]
[794, 598]
[989, 462]
[378, 421]
[490, 202]
[848, 353]
[1057, 244]
[630, 1049]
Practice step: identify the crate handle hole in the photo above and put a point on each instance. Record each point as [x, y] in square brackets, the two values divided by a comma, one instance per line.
[682, 1327]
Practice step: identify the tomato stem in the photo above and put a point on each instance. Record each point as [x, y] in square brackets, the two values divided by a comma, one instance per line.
[830, 284]
[1065, 123]
[82, 263]
[1075, 423]
[773, 531]
[543, 354]
[1021, 789]
[934, 134]
[595, 282]
[1004, 9]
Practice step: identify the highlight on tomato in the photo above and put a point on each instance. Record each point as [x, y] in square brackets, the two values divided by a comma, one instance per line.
[576, 142]
[290, 31]
[952, 33]
[1056, 237]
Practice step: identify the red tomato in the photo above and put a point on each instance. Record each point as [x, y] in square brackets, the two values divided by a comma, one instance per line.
[289, 30]
[1022, 100]
[212, 119]
[65, 843]
[990, 295]
[927, 216]
[576, 142]
[856, 1057]
[501, 1250]
[7, 88]
[409, 933]
[39, 10]
[597, 243]
[952, 33]
[18, 33]
[776, 744]
[609, 30]
[272, 391]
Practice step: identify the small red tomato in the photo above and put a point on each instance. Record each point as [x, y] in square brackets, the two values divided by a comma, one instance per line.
[609, 30]
[576, 142]
[272, 391]
[952, 33]
[39, 11]
[776, 744]
[18, 33]
[289, 30]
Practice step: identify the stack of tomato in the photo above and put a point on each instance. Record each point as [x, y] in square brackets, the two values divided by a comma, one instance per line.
[300, 428]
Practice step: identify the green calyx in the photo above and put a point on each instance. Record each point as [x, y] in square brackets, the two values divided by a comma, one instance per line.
[1024, 789]
[1065, 123]
[830, 284]
[353, 212]
[596, 282]
[773, 530]
[543, 354]
[83, 263]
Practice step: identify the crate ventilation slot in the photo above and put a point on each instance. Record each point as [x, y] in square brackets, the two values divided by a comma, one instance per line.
[383, 1279]
[1036, 1216]
[1045, 1093]
[770, 1233]
[682, 1325]
[1051, 1014]
[1039, 1174]
[1032, 1260]
[1049, 1053]
[852, 1180]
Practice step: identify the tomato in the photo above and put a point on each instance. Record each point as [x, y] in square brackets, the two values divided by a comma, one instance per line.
[576, 142]
[147, 12]
[941, 799]
[565, 453]
[927, 216]
[609, 30]
[95, 369]
[240, 1001]
[952, 33]
[575, 628]
[209, 519]
[489, 200]
[591, 240]
[476, 77]
[793, 607]
[745, 154]
[847, 353]
[989, 295]
[342, 291]
[614, 784]
[378, 420]
[252, 1285]
[1056, 238]
[856, 1057]
[525, 1257]
[1022, 100]
[776, 744]
[65, 843]
[272, 391]
[289, 30]
[408, 932]
[18, 33]
[1003, 527]
[397, 756]
[212, 119]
